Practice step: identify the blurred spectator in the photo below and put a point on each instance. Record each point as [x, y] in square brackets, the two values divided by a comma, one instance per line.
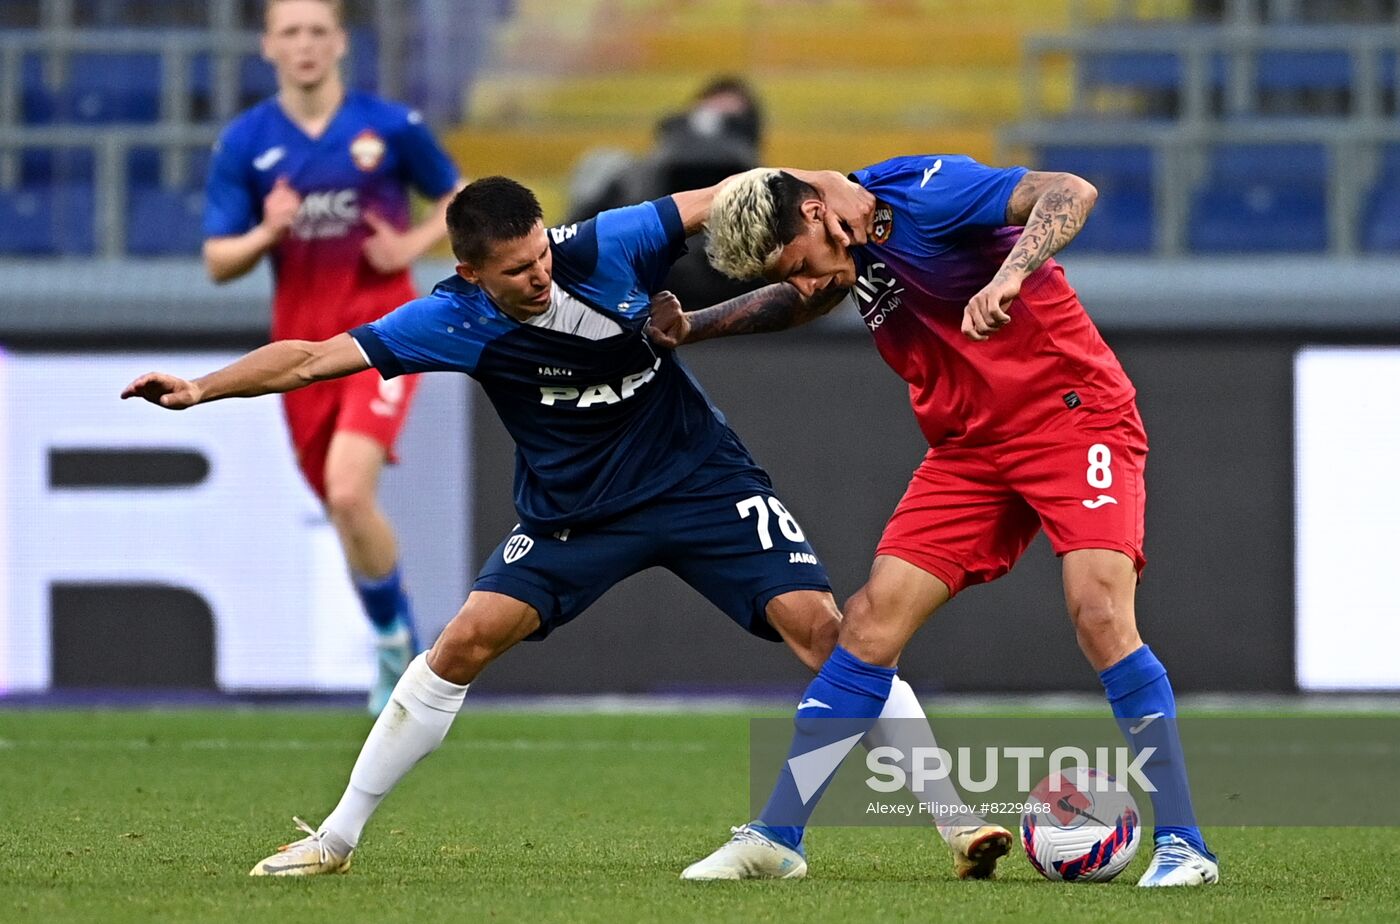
[718, 135]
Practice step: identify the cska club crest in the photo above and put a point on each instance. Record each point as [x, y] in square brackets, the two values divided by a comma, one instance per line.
[884, 223]
[367, 150]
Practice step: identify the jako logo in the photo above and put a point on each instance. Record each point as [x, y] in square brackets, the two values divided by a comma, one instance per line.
[877, 295]
[517, 547]
[551, 395]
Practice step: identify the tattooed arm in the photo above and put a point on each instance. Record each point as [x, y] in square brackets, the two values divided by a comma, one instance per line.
[771, 308]
[1052, 207]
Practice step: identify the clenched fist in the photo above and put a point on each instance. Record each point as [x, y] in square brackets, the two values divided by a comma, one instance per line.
[669, 325]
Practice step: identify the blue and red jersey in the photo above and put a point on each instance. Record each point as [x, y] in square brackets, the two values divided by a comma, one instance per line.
[940, 236]
[368, 158]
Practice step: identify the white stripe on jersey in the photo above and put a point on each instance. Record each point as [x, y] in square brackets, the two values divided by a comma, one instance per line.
[568, 315]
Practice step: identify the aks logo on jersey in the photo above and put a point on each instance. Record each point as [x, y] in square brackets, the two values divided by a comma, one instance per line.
[883, 226]
[367, 150]
[326, 213]
[517, 547]
[877, 294]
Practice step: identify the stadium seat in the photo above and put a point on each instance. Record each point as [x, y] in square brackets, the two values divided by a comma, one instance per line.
[1122, 219]
[362, 72]
[97, 89]
[1158, 77]
[143, 166]
[1149, 70]
[164, 222]
[1304, 83]
[1262, 197]
[1380, 222]
[48, 220]
[1303, 70]
[36, 105]
[43, 166]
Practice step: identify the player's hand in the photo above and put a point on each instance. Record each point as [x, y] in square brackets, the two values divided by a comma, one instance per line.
[988, 312]
[668, 325]
[280, 206]
[850, 209]
[166, 390]
[387, 248]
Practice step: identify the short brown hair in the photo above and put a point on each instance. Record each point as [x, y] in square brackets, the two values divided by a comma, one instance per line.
[337, 10]
[488, 211]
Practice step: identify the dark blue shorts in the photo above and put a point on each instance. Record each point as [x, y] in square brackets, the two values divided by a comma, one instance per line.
[721, 530]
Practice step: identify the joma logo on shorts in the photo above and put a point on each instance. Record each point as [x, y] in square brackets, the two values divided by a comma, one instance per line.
[550, 395]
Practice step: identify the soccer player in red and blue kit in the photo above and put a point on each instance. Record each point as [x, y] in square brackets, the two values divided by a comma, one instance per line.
[1031, 424]
[318, 179]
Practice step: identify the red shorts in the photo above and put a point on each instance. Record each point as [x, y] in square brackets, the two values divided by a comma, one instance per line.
[360, 403]
[970, 512]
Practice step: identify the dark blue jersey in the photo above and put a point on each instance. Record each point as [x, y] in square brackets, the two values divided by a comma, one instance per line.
[600, 426]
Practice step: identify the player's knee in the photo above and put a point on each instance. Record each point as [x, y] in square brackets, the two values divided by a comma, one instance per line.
[461, 653]
[863, 633]
[1105, 627]
[809, 622]
[347, 501]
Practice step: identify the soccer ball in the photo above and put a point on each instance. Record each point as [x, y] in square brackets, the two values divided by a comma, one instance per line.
[1090, 831]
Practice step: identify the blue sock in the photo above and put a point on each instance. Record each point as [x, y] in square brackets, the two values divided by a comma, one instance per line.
[385, 603]
[837, 709]
[1141, 696]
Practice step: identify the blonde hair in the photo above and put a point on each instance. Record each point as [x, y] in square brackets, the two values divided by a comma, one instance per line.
[337, 10]
[743, 225]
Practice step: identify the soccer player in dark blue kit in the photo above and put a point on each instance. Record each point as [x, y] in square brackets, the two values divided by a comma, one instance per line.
[622, 462]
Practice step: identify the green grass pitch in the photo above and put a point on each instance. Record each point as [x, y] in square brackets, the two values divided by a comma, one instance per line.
[157, 816]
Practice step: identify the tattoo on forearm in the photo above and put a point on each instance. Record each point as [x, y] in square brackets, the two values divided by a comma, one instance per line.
[1053, 223]
[771, 308]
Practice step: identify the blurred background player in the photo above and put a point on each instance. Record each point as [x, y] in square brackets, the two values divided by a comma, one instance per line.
[1031, 423]
[318, 179]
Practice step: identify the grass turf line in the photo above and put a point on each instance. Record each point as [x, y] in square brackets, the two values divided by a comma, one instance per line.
[157, 816]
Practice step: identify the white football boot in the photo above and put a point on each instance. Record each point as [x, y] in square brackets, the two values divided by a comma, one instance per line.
[1176, 863]
[313, 855]
[976, 849]
[749, 854]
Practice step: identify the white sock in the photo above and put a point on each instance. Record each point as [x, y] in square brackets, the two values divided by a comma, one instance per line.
[907, 729]
[412, 725]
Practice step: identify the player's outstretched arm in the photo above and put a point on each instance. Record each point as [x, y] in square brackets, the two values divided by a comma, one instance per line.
[771, 308]
[1053, 208]
[280, 366]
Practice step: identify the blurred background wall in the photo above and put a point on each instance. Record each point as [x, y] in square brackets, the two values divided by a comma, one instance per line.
[1243, 259]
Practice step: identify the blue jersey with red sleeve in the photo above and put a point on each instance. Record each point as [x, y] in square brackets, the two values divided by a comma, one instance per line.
[940, 235]
[368, 158]
[601, 426]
